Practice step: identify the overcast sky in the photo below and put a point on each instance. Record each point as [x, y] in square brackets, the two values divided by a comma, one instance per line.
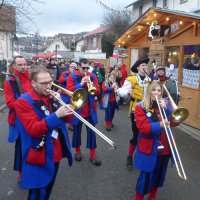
[73, 16]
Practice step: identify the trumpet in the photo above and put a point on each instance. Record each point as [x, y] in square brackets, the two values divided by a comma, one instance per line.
[180, 116]
[78, 97]
[84, 121]
[91, 89]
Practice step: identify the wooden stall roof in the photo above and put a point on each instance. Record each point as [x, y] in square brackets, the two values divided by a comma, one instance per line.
[161, 16]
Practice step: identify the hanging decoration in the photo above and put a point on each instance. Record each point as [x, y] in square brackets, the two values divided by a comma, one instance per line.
[108, 8]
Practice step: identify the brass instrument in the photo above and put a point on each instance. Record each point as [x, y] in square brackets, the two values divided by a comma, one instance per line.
[84, 121]
[91, 89]
[178, 115]
[78, 97]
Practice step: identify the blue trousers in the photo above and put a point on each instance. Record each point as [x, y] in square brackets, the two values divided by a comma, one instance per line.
[45, 192]
[91, 135]
[148, 180]
[110, 111]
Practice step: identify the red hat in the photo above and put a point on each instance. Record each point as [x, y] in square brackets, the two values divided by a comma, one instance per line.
[97, 64]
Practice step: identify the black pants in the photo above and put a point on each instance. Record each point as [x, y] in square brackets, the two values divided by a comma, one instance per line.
[135, 131]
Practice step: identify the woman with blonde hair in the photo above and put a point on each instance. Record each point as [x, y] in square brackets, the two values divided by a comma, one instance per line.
[152, 152]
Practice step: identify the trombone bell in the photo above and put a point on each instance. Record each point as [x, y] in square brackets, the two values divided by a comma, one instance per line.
[78, 98]
[179, 115]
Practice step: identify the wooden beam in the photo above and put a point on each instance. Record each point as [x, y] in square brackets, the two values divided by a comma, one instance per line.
[195, 29]
[181, 31]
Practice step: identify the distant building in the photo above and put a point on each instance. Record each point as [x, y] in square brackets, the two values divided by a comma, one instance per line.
[7, 31]
[92, 39]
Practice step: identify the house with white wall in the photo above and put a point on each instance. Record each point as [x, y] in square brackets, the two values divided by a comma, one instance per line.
[139, 7]
[7, 31]
[56, 46]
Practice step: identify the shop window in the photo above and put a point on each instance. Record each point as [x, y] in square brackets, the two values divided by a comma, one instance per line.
[191, 66]
[172, 61]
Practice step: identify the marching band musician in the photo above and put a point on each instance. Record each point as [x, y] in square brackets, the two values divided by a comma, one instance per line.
[15, 85]
[134, 86]
[110, 99]
[64, 76]
[63, 82]
[153, 151]
[80, 79]
[43, 135]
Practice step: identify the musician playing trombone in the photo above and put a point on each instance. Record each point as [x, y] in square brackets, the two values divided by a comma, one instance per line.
[153, 151]
[44, 135]
[16, 84]
[84, 79]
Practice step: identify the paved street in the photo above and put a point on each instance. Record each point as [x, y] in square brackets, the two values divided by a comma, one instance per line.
[111, 181]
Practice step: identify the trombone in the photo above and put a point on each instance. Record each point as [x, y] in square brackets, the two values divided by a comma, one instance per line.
[178, 115]
[78, 97]
[84, 121]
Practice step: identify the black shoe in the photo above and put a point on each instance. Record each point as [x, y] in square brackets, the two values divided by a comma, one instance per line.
[129, 163]
[112, 125]
[70, 129]
[78, 157]
[108, 129]
[95, 161]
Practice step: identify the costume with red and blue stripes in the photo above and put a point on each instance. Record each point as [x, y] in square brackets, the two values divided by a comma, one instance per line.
[36, 121]
[152, 163]
[88, 111]
[12, 92]
[110, 105]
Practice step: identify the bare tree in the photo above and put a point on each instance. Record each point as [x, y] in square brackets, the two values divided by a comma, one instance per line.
[119, 22]
[18, 14]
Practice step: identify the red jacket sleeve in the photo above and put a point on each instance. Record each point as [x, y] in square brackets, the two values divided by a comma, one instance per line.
[97, 86]
[9, 95]
[30, 120]
[62, 78]
[70, 83]
[143, 125]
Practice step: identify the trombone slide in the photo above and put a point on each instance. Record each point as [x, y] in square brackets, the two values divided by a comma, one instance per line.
[172, 144]
[85, 122]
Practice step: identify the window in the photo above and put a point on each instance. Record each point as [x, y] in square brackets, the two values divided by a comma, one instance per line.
[191, 66]
[144, 53]
[154, 3]
[165, 3]
[172, 59]
[140, 10]
[183, 1]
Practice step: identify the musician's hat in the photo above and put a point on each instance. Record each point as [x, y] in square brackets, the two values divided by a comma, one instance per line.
[73, 65]
[138, 63]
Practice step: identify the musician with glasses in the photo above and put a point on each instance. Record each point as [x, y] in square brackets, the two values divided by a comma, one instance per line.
[44, 135]
[153, 151]
[83, 79]
[15, 85]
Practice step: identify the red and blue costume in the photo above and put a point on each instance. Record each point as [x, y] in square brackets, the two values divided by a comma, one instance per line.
[37, 120]
[151, 162]
[88, 111]
[63, 82]
[109, 103]
[12, 90]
